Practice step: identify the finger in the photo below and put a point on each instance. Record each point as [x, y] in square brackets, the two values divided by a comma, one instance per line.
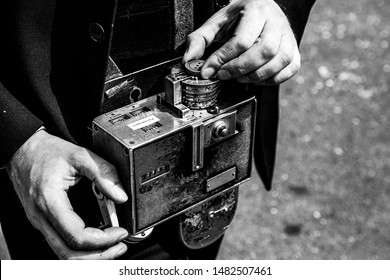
[196, 45]
[111, 253]
[263, 50]
[63, 251]
[282, 59]
[102, 173]
[201, 38]
[287, 73]
[56, 207]
[246, 33]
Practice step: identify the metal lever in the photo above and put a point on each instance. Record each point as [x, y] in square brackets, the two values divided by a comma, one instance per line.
[197, 146]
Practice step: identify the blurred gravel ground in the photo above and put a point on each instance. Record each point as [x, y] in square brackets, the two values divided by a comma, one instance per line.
[331, 194]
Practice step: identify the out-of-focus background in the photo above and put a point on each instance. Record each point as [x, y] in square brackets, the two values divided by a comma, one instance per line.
[331, 193]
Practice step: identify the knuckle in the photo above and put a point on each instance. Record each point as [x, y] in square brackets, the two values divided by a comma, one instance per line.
[224, 54]
[242, 44]
[282, 20]
[286, 58]
[258, 75]
[268, 50]
[239, 69]
[80, 152]
[295, 66]
[275, 80]
[283, 76]
[276, 12]
[106, 168]
[78, 156]
[261, 75]
[254, 5]
[193, 36]
[219, 57]
[64, 255]
[267, 9]
[75, 242]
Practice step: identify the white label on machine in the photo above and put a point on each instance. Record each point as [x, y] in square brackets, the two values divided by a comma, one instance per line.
[143, 122]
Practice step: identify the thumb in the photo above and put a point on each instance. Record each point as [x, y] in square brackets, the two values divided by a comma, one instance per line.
[103, 174]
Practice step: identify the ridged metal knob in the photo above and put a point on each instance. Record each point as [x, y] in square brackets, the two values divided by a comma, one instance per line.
[220, 129]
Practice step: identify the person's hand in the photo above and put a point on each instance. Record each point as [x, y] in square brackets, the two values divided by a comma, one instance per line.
[42, 171]
[259, 47]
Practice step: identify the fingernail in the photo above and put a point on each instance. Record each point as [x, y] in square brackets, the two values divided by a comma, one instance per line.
[208, 72]
[120, 193]
[224, 75]
[123, 235]
[121, 251]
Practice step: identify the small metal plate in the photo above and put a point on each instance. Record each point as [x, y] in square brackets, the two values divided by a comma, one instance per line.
[230, 119]
[221, 179]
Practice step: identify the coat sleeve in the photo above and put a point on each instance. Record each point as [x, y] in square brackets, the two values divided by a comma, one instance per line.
[17, 124]
[297, 11]
[24, 64]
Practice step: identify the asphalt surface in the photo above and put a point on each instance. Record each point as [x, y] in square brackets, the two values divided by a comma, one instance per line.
[331, 194]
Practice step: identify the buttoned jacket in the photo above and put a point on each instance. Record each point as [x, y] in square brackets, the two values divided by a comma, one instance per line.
[53, 57]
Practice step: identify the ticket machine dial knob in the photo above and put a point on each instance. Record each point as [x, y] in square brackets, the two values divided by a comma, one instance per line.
[220, 129]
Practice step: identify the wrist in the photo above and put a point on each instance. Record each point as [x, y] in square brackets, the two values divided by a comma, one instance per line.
[29, 145]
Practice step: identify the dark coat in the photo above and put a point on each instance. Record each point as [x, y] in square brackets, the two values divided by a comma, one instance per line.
[52, 70]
